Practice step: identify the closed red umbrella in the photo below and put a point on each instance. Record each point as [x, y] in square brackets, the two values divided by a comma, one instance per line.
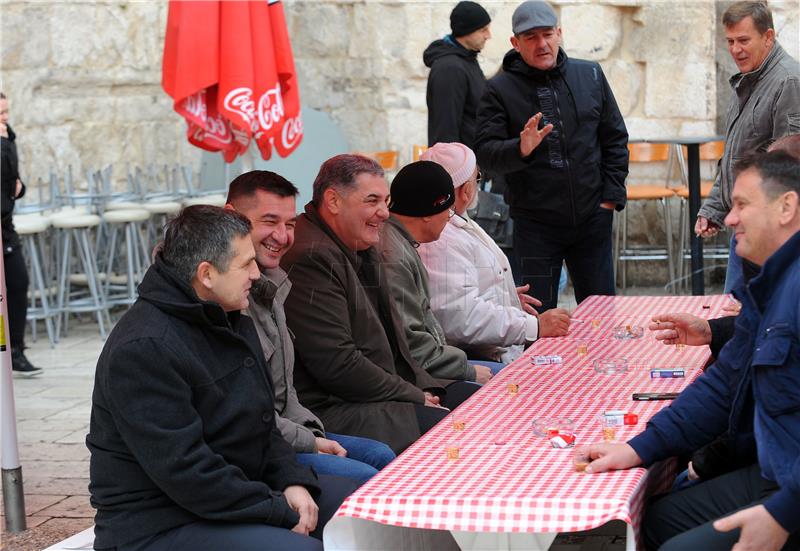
[229, 68]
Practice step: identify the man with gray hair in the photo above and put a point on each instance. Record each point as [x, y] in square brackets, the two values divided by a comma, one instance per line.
[765, 105]
[185, 453]
[353, 366]
[565, 179]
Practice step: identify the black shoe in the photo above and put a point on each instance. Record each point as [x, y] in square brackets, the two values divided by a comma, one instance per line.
[21, 366]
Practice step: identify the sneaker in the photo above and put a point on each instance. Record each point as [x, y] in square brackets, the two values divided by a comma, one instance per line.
[21, 366]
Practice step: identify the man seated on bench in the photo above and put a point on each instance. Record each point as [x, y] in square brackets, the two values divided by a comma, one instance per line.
[185, 453]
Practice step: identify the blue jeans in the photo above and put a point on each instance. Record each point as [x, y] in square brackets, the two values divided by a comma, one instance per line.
[734, 275]
[365, 457]
[494, 366]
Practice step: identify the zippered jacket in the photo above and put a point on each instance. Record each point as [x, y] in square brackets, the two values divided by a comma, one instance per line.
[752, 389]
[765, 106]
[581, 163]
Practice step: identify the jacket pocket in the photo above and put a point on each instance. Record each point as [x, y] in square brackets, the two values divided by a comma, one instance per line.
[776, 371]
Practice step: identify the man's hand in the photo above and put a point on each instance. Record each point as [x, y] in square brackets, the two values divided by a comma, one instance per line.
[760, 530]
[482, 374]
[19, 188]
[692, 474]
[433, 401]
[609, 457]
[331, 447]
[681, 329]
[531, 136]
[732, 308]
[610, 205]
[303, 504]
[553, 323]
[705, 228]
[3, 130]
[528, 302]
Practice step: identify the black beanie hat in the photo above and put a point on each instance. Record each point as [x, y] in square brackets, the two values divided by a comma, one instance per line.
[468, 17]
[423, 188]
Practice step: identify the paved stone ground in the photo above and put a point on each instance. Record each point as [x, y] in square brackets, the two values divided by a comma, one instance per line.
[53, 419]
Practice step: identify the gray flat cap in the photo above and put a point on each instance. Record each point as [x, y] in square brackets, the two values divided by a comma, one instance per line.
[532, 14]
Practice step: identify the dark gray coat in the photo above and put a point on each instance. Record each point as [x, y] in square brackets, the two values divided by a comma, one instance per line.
[353, 368]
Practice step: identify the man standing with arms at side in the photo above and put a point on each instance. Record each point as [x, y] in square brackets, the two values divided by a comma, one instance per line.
[456, 81]
[564, 179]
[765, 105]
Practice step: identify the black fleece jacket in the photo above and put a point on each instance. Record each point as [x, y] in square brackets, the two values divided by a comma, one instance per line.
[183, 421]
[455, 86]
[581, 163]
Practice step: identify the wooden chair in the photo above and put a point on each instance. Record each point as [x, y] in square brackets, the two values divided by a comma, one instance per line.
[417, 150]
[387, 159]
[646, 153]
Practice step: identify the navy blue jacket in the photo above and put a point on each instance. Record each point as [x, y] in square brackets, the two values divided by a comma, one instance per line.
[758, 370]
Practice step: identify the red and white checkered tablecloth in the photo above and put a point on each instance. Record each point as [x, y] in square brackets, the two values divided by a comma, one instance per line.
[508, 480]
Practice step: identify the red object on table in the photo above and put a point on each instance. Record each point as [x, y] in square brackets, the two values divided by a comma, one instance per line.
[525, 485]
[229, 68]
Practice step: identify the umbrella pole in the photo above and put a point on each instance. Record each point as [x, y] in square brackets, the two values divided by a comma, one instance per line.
[13, 494]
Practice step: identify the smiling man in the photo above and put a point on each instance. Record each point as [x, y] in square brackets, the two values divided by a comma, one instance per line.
[354, 369]
[566, 178]
[753, 388]
[268, 201]
[764, 106]
[185, 453]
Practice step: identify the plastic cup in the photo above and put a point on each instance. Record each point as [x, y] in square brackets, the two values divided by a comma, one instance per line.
[581, 460]
[453, 451]
[583, 348]
[459, 425]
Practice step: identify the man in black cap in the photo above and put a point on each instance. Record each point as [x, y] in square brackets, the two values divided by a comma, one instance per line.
[456, 82]
[422, 201]
[566, 178]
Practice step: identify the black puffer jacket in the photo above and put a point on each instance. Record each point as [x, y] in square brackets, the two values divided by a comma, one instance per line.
[455, 86]
[9, 173]
[583, 162]
[183, 420]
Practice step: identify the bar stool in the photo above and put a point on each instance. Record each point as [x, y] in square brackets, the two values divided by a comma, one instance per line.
[31, 228]
[159, 212]
[76, 229]
[215, 200]
[645, 152]
[137, 255]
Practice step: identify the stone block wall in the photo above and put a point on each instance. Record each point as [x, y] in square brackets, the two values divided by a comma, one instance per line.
[84, 77]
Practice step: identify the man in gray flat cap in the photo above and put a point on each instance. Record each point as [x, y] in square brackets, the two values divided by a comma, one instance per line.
[551, 125]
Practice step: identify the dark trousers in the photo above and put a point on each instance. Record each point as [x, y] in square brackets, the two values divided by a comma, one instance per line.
[215, 536]
[540, 249]
[683, 520]
[428, 417]
[17, 290]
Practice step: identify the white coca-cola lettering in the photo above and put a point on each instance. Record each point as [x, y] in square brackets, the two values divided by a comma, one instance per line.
[270, 108]
[217, 127]
[292, 132]
[240, 100]
[195, 104]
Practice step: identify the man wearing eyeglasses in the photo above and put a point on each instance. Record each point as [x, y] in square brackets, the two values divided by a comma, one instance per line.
[566, 178]
[473, 294]
[422, 201]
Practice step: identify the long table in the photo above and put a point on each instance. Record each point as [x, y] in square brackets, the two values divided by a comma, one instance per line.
[509, 488]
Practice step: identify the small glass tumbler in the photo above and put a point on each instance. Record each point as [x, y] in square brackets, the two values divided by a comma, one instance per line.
[580, 460]
[609, 425]
[582, 349]
[595, 323]
[453, 450]
[513, 389]
[458, 424]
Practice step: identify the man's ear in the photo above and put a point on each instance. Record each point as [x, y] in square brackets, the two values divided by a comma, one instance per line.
[770, 34]
[515, 42]
[789, 207]
[229, 206]
[332, 200]
[204, 274]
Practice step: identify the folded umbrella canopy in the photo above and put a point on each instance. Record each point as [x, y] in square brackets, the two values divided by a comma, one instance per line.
[229, 69]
